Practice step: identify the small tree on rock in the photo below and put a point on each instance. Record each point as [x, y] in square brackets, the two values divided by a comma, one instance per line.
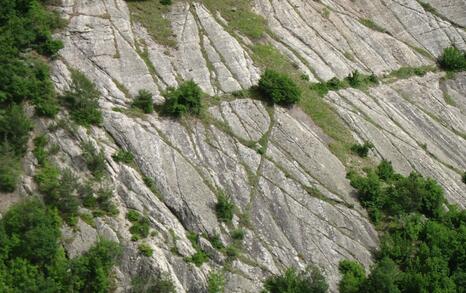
[278, 88]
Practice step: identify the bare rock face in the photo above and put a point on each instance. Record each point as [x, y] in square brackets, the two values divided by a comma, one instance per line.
[292, 198]
[411, 124]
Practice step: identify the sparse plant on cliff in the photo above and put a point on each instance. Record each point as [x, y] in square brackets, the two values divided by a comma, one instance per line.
[452, 59]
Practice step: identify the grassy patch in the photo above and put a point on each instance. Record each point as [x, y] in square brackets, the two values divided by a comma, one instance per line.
[239, 15]
[406, 72]
[372, 25]
[151, 15]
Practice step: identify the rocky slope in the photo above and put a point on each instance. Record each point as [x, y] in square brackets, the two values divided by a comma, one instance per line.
[290, 190]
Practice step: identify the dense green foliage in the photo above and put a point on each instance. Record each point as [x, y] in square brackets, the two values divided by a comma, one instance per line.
[144, 101]
[140, 225]
[453, 59]
[9, 171]
[59, 188]
[95, 160]
[278, 88]
[33, 260]
[25, 25]
[82, 100]
[166, 2]
[14, 134]
[309, 281]
[184, 99]
[123, 156]
[224, 208]
[362, 150]
[422, 248]
[145, 249]
[353, 275]
[464, 177]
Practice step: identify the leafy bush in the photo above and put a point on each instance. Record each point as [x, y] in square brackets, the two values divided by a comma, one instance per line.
[224, 208]
[215, 283]
[238, 234]
[216, 241]
[198, 258]
[32, 258]
[95, 160]
[144, 101]
[59, 189]
[123, 156]
[166, 2]
[452, 59]
[145, 249]
[41, 154]
[353, 275]
[9, 171]
[464, 177]
[82, 100]
[292, 281]
[184, 99]
[278, 88]
[362, 150]
[91, 271]
[141, 225]
[421, 248]
[14, 129]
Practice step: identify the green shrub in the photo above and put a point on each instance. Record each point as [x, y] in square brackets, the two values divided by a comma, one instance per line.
[335, 84]
[198, 258]
[215, 283]
[59, 188]
[14, 129]
[91, 272]
[184, 99]
[82, 100]
[353, 275]
[141, 225]
[123, 156]
[292, 281]
[355, 79]
[421, 246]
[95, 160]
[216, 241]
[10, 171]
[362, 150]
[224, 208]
[166, 2]
[383, 277]
[238, 234]
[145, 249]
[104, 202]
[278, 88]
[144, 101]
[464, 177]
[232, 251]
[41, 154]
[32, 257]
[452, 59]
